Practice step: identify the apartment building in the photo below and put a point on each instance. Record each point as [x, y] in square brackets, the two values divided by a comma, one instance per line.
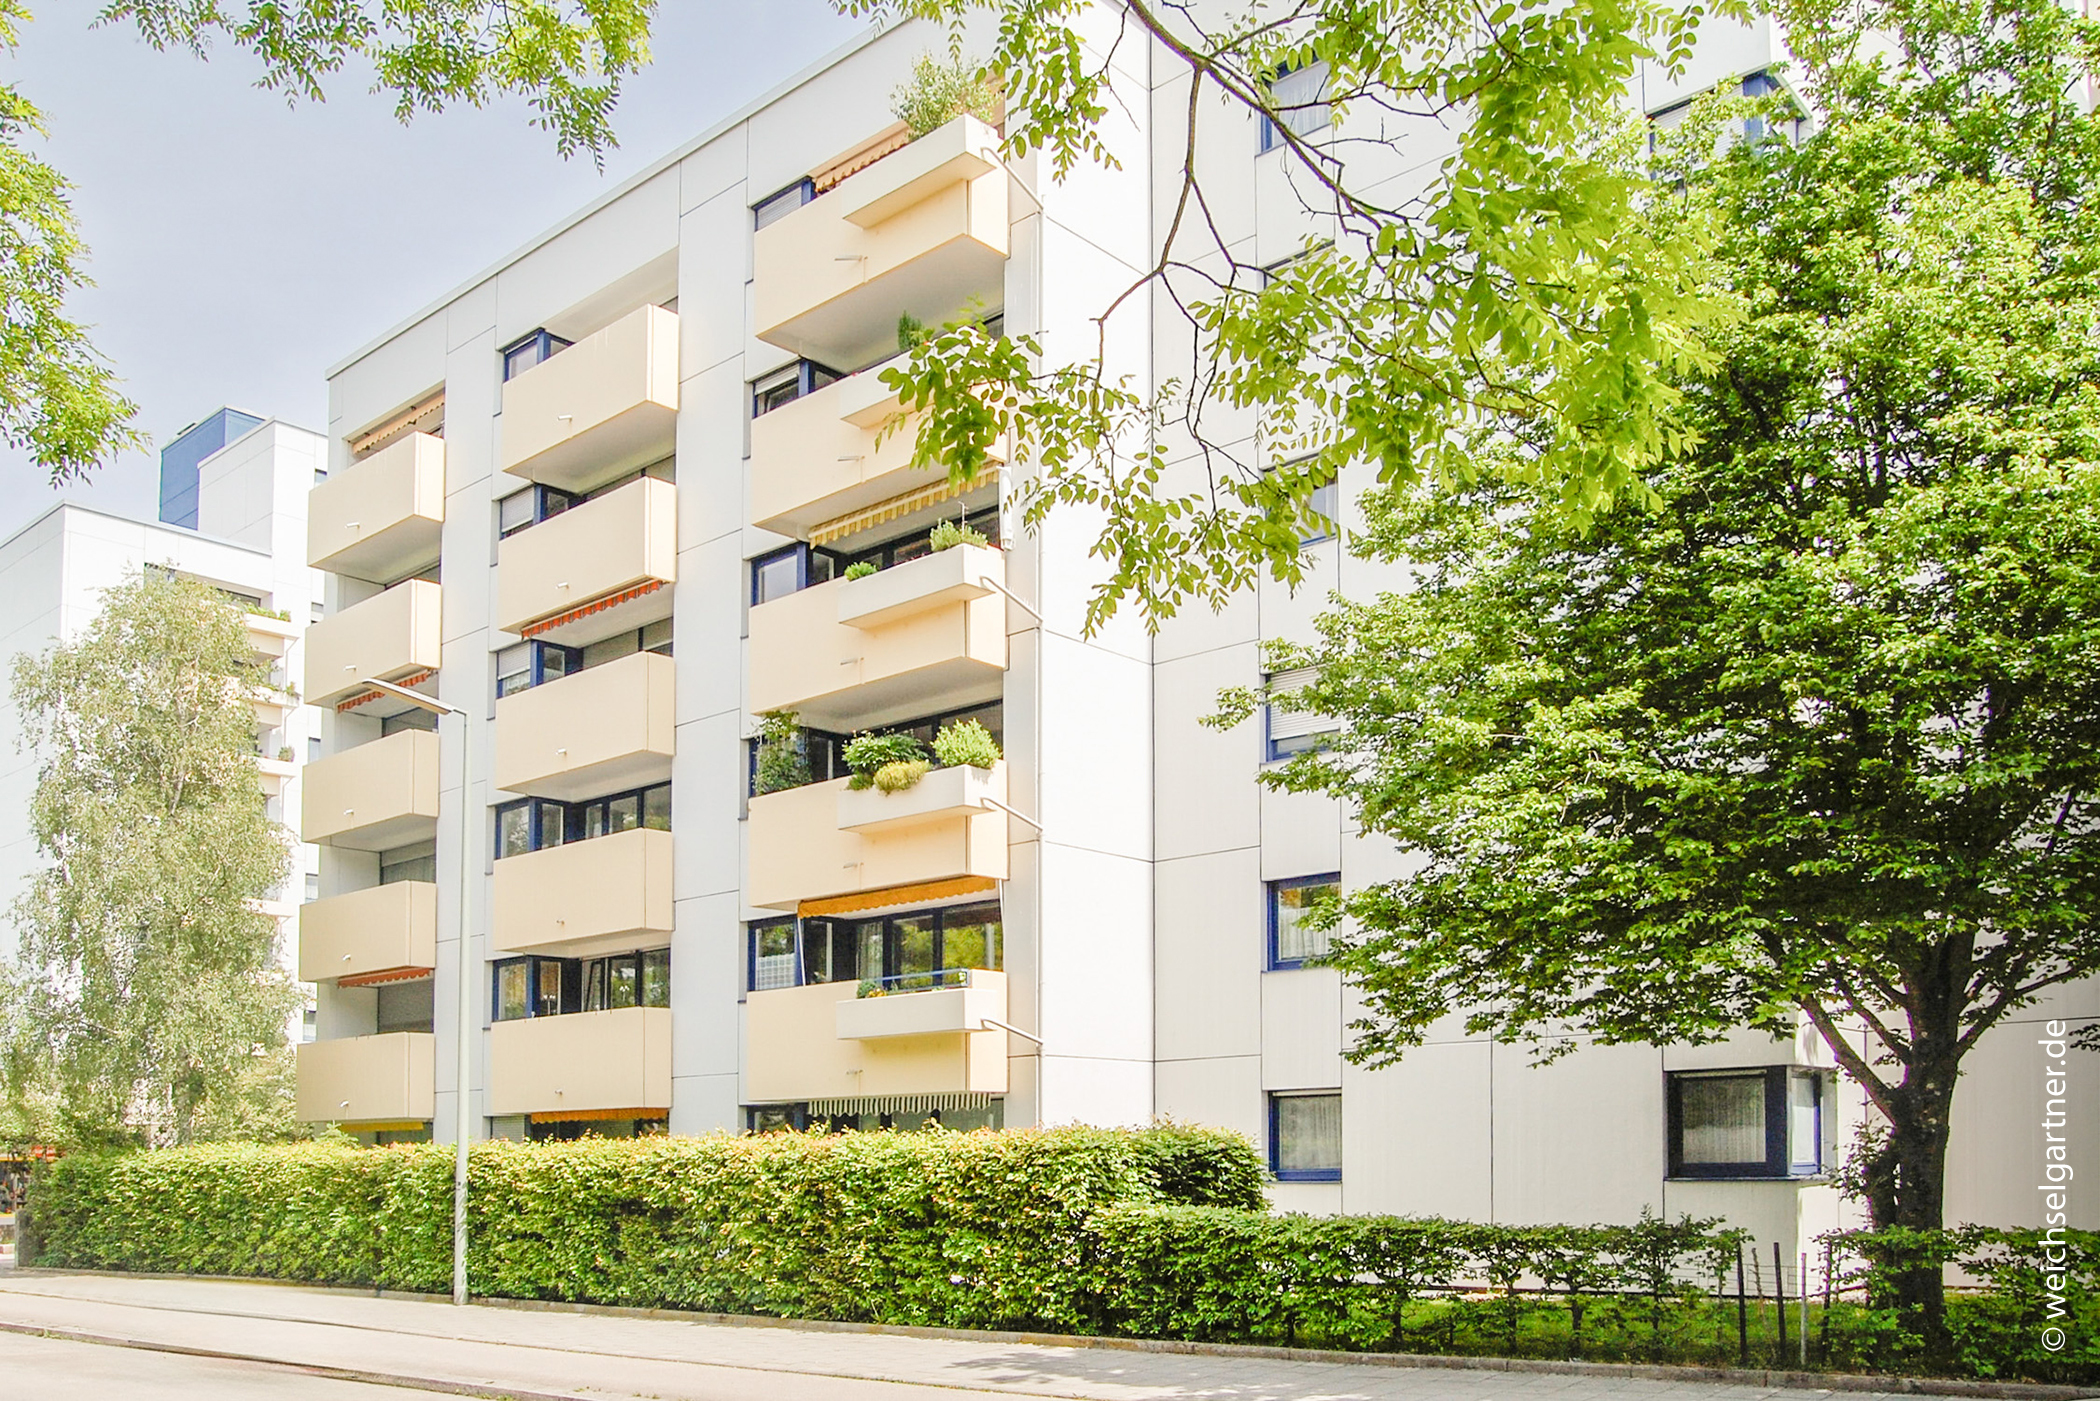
[638, 487]
[233, 495]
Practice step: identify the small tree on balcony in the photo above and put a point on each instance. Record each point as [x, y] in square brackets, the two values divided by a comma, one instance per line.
[148, 1001]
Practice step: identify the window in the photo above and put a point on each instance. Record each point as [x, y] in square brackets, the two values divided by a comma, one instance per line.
[1305, 1137]
[1765, 1123]
[907, 547]
[530, 664]
[1297, 95]
[1327, 504]
[1291, 944]
[907, 952]
[535, 348]
[789, 383]
[787, 571]
[1292, 731]
[534, 824]
[529, 507]
[553, 987]
[781, 203]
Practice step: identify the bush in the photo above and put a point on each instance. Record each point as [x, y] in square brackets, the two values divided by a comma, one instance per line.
[946, 535]
[783, 759]
[860, 569]
[865, 754]
[978, 1230]
[897, 777]
[911, 332]
[965, 742]
[937, 93]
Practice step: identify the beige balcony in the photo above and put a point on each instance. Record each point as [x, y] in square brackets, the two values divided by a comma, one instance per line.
[606, 405]
[922, 231]
[928, 634]
[375, 797]
[269, 638]
[273, 774]
[594, 570]
[371, 935]
[829, 454]
[380, 519]
[798, 850]
[597, 731]
[370, 1082]
[605, 895]
[826, 1042]
[396, 635]
[582, 1064]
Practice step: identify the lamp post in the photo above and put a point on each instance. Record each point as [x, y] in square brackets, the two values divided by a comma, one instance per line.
[464, 1012]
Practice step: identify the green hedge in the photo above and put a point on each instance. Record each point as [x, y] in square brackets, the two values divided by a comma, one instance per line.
[961, 1230]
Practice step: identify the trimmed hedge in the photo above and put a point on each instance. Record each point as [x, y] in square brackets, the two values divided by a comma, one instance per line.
[979, 1230]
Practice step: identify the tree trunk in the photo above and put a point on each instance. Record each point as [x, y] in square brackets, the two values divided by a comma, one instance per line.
[1906, 1180]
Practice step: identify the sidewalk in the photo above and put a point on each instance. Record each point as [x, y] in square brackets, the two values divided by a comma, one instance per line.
[542, 1353]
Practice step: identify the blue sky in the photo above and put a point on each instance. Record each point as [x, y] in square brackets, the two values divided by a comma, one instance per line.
[241, 245]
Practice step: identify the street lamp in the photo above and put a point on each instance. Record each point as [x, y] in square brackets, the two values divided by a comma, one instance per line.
[465, 1011]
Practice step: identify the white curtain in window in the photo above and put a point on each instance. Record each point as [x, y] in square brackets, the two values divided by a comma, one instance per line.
[1308, 1133]
[1724, 1118]
[1297, 97]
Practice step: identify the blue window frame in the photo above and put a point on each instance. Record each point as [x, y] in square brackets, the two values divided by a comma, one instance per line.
[1291, 945]
[910, 952]
[1288, 732]
[1759, 1123]
[534, 348]
[1297, 94]
[790, 570]
[535, 824]
[523, 509]
[782, 202]
[789, 383]
[530, 664]
[1305, 1136]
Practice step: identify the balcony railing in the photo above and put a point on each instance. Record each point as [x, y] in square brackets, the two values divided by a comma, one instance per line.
[824, 1041]
[594, 570]
[603, 407]
[925, 635]
[370, 935]
[799, 850]
[922, 231]
[380, 519]
[374, 797]
[609, 728]
[605, 895]
[385, 1081]
[583, 1063]
[829, 454]
[397, 635]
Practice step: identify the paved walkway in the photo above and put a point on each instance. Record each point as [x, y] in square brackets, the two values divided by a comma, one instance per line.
[348, 1337]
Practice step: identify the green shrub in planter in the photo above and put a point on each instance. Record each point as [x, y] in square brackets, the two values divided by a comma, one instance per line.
[965, 742]
[896, 778]
[865, 754]
[938, 93]
[946, 535]
[860, 569]
[783, 759]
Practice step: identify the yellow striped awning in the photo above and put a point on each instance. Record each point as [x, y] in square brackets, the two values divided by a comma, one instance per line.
[884, 511]
[578, 1116]
[896, 895]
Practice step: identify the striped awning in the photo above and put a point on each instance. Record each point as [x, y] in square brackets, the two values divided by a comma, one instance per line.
[385, 975]
[903, 1104]
[896, 895]
[882, 512]
[578, 1116]
[597, 605]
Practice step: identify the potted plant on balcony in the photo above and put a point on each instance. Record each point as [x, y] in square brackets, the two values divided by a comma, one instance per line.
[965, 742]
[937, 93]
[946, 535]
[783, 758]
[887, 763]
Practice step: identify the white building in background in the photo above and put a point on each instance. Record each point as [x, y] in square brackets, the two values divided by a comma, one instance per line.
[613, 497]
[234, 490]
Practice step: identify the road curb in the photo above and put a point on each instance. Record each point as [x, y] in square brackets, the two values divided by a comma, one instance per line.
[1729, 1376]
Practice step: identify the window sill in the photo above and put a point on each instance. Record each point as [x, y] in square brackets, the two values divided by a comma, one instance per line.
[1294, 1178]
[1805, 1179]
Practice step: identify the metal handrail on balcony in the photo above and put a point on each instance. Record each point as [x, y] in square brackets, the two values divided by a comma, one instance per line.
[932, 981]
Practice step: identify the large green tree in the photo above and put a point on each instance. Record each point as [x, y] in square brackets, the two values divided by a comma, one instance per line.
[60, 401]
[1818, 733]
[148, 1000]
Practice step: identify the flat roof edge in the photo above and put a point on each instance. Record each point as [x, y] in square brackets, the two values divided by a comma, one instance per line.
[639, 178]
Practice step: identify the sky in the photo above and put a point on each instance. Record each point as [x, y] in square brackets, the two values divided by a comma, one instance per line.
[241, 246]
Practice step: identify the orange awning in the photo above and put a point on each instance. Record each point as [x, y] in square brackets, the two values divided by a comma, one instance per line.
[896, 895]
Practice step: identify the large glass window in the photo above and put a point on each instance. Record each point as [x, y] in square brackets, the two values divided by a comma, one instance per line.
[782, 203]
[1291, 944]
[536, 347]
[1760, 1123]
[534, 824]
[553, 987]
[789, 383]
[1298, 96]
[905, 952]
[529, 507]
[1305, 1137]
